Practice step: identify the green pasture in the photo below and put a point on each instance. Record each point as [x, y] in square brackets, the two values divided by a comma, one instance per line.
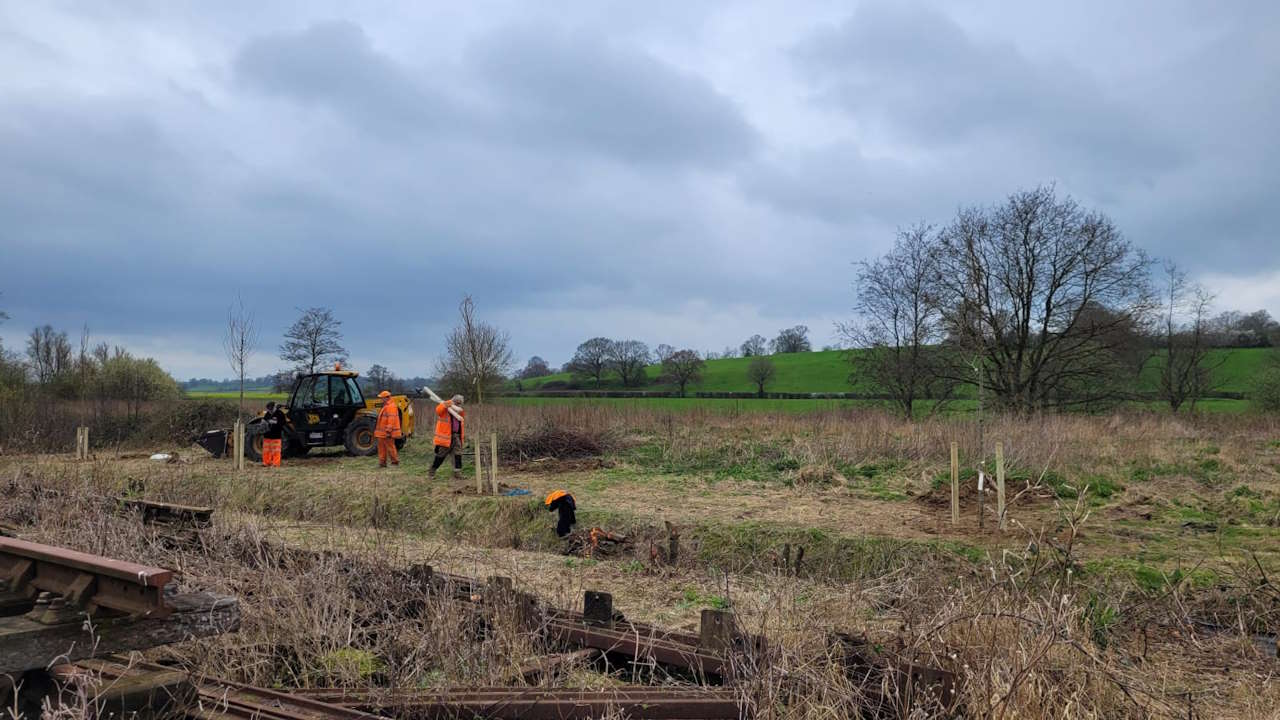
[829, 371]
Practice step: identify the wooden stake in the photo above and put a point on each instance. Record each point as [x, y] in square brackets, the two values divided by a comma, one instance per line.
[493, 461]
[982, 496]
[239, 431]
[479, 476]
[955, 484]
[1000, 483]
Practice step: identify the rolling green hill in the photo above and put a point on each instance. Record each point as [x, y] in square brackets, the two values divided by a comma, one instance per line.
[829, 371]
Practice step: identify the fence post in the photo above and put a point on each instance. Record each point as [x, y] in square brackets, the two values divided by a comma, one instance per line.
[955, 484]
[493, 461]
[82, 443]
[1000, 483]
[479, 476]
[239, 432]
[982, 493]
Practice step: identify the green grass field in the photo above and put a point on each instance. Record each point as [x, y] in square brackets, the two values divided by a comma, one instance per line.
[828, 371]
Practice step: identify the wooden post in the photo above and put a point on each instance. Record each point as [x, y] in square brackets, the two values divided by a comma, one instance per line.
[239, 433]
[1000, 484]
[493, 461]
[982, 495]
[479, 476]
[955, 484]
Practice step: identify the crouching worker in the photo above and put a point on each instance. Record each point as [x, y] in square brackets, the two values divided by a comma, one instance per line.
[387, 430]
[563, 502]
[273, 438]
[450, 435]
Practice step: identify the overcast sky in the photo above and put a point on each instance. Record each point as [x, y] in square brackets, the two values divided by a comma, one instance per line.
[683, 172]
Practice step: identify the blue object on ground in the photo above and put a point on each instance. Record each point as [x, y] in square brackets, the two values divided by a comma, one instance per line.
[516, 491]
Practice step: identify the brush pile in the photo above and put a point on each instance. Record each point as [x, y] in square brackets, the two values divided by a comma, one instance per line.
[557, 443]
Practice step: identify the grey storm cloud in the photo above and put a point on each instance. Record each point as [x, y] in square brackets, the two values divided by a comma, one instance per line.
[685, 173]
[920, 77]
[532, 87]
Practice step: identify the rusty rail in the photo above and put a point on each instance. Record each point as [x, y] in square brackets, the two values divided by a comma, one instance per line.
[505, 703]
[217, 698]
[86, 581]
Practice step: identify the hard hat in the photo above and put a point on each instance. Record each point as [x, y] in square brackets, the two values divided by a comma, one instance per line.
[553, 496]
[384, 394]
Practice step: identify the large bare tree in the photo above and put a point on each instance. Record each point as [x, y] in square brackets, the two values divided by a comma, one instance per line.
[592, 358]
[1186, 371]
[536, 367]
[313, 341]
[683, 367]
[792, 340]
[477, 354]
[628, 358]
[754, 346]
[49, 352]
[240, 342]
[897, 339]
[761, 372]
[1016, 283]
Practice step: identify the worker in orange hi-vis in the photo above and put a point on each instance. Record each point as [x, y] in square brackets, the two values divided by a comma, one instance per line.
[387, 430]
[451, 433]
[273, 438]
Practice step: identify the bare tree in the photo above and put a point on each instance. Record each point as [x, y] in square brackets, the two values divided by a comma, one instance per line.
[49, 352]
[592, 358]
[380, 378]
[628, 358]
[240, 342]
[1016, 281]
[754, 346]
[313, 341]
[662, 352]
[792, 340]
[897, 341]
[761, 372]
[683, 367]
[536, 367]
[728, 352]
[1186, 372]
[477, 354]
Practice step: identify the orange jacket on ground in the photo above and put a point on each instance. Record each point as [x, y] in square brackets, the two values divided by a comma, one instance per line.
[388, 420]
[444, 422]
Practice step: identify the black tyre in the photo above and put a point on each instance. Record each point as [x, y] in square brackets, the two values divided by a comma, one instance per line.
[293, 448]
[359, 440]
[253, 441]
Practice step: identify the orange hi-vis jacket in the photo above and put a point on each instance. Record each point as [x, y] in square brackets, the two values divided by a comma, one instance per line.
[444, 424]
[388, 421]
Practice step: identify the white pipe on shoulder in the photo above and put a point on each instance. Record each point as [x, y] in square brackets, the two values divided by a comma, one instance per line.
[436, 397]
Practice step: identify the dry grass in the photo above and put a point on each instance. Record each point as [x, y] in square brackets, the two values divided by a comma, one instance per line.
[1027, 629]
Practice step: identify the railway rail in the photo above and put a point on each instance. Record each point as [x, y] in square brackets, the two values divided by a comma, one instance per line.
[90, 582]
[506, 703]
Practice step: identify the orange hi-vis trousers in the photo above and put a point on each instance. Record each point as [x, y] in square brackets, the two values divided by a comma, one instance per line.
[270, 453]
[387, 449]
